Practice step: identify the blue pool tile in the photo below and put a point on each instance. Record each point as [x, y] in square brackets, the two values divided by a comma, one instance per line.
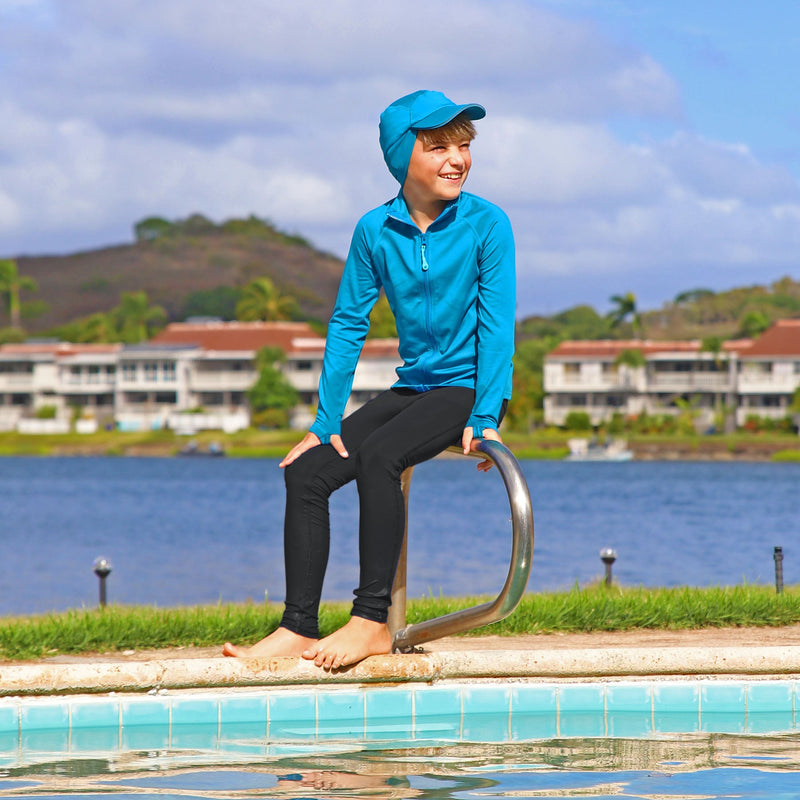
[437, 712]
[770, 706]
[486, 727]
[243, 737]
[630, 697]
[341, 713]
[246, 708]
[195, 711]
[8, 744]
[9, 718]
[581, 710]
[676, 722]
[145, 737]
[676, 707]
[45, 741]
[487, 713]
[200, 736]
[292, 715]
[95, 740]
[770, 696]
[629, 724]
[676, 698]
[722, 698]
[92, 713]
[581, 698]
[394, 703]
[722, 708]
[150, 711]
[769, 722]
[493, 699]
[44, 716]
[534, 699]
[534, 712]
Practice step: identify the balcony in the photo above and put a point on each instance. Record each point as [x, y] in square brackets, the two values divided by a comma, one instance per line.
[234, 381]
[689, 382]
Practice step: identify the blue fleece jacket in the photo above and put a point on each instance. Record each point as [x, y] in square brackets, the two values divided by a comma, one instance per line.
[452, 291]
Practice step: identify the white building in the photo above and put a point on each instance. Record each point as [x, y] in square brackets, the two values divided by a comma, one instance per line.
[191, 375]
[752, 376]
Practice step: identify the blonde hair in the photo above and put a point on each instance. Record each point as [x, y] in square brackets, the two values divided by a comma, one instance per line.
[457, 130]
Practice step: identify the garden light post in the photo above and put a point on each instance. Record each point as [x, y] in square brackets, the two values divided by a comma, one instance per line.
[102, 568]
[778, 556]
[608, 557]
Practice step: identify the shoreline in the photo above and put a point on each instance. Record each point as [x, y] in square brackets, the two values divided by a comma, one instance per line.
[276, 444]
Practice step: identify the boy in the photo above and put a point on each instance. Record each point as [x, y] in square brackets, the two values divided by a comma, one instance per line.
[445, 259]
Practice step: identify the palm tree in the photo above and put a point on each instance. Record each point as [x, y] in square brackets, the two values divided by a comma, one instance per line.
[261, 300]
[135, 318]
[626, 308]
[11, 283]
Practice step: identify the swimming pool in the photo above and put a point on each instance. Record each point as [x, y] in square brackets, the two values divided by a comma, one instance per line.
[711, 738]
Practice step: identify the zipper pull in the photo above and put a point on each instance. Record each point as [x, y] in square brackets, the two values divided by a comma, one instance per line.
[424, 260]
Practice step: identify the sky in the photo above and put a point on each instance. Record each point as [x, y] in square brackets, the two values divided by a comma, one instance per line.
[638, 146]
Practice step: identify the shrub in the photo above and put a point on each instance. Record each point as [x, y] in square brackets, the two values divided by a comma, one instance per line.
[578, 421]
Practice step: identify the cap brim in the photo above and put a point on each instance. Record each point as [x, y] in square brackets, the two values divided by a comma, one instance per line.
[444, 115]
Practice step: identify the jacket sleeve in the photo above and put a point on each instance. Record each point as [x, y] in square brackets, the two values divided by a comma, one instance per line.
[495, 329]
[347, 329]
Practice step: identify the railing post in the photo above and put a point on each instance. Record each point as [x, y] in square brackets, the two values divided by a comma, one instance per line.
[397, 610]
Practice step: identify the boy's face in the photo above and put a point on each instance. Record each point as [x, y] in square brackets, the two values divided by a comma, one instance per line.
[437, 170]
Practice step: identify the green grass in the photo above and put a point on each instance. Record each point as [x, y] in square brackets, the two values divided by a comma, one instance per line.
[597, 608]
[786, 455]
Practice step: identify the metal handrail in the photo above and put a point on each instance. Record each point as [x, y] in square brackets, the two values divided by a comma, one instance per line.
[406, 638]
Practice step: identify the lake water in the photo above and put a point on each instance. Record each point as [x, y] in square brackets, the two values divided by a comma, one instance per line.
[186, 531]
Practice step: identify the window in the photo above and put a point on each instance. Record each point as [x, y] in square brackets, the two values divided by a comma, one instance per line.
[94, 375]
[74, 375]
[129, 372]
[169, 371]
[302, 366]
[150, 371]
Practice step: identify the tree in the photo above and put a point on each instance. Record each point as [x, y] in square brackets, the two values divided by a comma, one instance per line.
[714, 345]
[381, 320]
[135, 319]
[151, 228]
[220, 302]
[753, 324]
[626, 309]
[97, 328]
[271, 396]
[527, 398]
[261, 300]
[11, 284]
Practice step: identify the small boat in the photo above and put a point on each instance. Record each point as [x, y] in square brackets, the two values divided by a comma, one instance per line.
[592, 450]
[192, 449]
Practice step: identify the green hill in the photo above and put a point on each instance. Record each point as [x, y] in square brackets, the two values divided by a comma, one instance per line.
[175, 265]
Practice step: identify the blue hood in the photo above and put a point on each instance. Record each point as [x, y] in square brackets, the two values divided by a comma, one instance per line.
[422, 110]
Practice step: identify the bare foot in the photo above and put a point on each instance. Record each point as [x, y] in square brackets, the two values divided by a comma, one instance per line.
[357, 639]
[281, 642]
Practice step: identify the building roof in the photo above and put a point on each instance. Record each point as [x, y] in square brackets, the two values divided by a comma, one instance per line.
[239, 336]
[781, 339]
[611, 348]
[57, 349]
[294, 338]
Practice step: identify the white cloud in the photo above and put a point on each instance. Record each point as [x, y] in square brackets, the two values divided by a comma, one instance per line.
[114, 111]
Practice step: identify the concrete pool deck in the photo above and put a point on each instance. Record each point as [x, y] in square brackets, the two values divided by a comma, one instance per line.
[755, 652]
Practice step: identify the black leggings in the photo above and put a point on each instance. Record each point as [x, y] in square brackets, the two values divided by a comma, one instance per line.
[396, 430]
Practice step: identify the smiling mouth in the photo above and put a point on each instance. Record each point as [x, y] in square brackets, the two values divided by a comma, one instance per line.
[452, 176]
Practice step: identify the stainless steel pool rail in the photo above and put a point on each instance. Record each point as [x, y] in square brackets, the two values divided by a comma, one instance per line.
[405, 638]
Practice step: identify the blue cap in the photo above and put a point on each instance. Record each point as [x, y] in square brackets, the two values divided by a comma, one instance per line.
[420, 110]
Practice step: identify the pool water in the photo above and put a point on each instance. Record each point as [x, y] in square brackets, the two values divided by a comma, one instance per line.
[628, 739]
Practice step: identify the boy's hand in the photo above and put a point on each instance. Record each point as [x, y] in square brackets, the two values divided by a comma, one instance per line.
[470, 444]
[312, 440]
